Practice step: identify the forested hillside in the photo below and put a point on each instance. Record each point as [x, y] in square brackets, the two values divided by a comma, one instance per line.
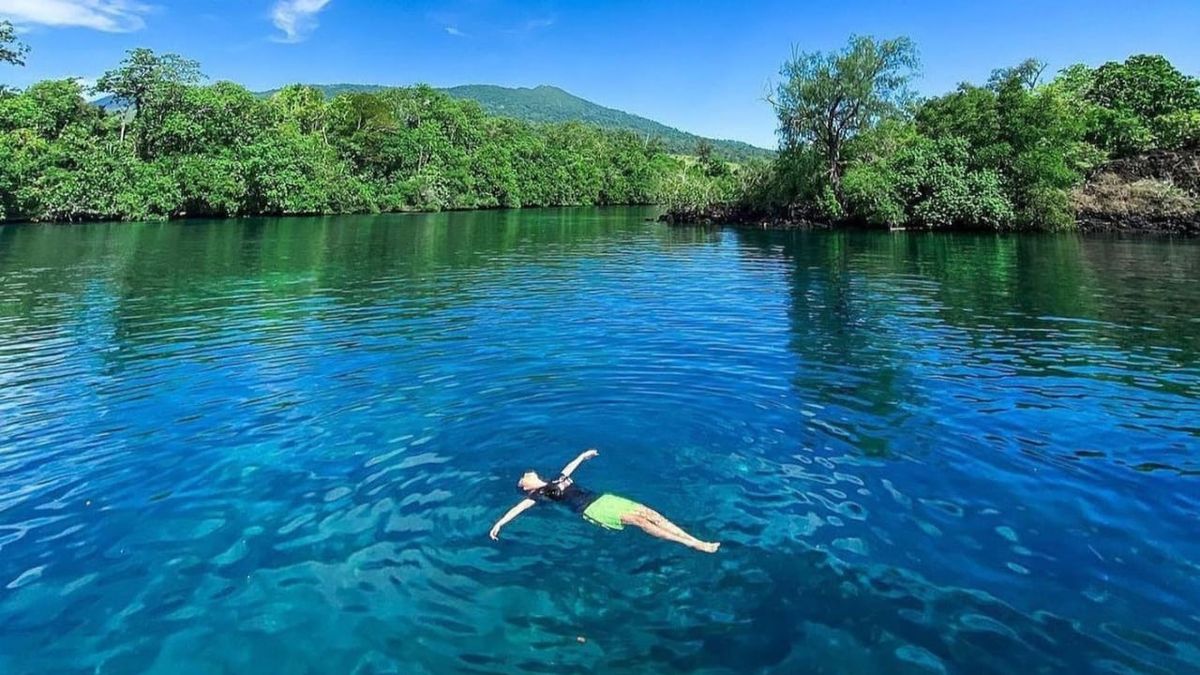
[552, 105]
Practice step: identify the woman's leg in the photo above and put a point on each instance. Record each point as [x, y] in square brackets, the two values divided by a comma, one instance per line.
[661, 521]
[654, 524]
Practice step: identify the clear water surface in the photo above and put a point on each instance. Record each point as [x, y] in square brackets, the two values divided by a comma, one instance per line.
[276, 446]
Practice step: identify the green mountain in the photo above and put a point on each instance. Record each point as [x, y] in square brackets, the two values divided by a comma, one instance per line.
[551, 104]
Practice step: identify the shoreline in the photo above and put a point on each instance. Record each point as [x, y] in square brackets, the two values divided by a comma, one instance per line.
[722, 218]
[281, 216]
[1154, 192]
[1085, 224]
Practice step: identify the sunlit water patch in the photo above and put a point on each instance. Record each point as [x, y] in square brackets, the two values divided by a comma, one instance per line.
[277, 447]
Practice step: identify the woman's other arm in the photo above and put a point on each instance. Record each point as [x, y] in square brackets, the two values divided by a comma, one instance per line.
[508, 517]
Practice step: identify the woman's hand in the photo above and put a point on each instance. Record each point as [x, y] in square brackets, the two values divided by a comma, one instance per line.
[583, 457]
[512, 513]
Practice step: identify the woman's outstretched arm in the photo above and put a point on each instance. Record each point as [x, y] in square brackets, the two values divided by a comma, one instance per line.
[507, 518]
[583, 457]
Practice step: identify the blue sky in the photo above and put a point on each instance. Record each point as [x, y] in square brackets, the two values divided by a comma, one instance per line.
[701, 66]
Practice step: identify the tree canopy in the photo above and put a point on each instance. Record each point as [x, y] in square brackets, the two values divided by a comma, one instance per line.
[183, 148]
[826, 98]
[856, 147]
[551, 105]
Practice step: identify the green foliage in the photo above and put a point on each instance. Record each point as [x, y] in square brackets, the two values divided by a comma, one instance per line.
[1136, 106]
[551, 105]
[712, 165]
[1120, 132]
[1147, 85]
[91, 180]
[1010, 154]
[155, 87]
[302, 107]
[874, 193]
[209, 184]
[1048, 208]
[997, 156]
[47, 109]
[1024, 136]
[295, 174]
[924, 182]
[825, 99]
[796, 177]
[688, 188]
[1179, 130]
[12, 51]
[182, 149]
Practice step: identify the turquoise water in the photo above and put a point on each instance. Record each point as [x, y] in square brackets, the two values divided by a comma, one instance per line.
[277, 447]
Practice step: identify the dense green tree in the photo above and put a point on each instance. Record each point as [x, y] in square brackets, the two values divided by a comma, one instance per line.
[296, 174]
[304, 107]
[1134, 106]
[973, 114]
[169, 147]
[825, 99]
[89, 179]
[151, 86]
[1013, 152]
[1179, 130]
[38, 131]
[1046, 157]
[905, 178]
[200, 119]
[1146, 85]
[1027, 133]
[47, 109]
[854, 147]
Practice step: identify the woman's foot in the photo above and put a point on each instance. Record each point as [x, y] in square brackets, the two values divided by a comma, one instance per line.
[708, 547]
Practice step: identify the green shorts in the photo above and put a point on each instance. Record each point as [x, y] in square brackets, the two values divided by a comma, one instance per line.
[608, 510]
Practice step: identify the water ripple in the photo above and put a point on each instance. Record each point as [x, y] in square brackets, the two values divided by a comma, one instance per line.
[276, 446]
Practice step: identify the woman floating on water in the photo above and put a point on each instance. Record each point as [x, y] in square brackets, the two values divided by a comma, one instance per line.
[606, 510]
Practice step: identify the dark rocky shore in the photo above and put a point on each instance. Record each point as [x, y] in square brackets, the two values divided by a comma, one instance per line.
[1189, 226]
[1158, 192]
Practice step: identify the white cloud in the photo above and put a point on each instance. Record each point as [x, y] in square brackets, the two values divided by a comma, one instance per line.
[453, 30]
[296, 18]
[112, 16]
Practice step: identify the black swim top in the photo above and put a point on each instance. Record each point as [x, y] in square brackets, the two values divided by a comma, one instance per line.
[564, 491]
